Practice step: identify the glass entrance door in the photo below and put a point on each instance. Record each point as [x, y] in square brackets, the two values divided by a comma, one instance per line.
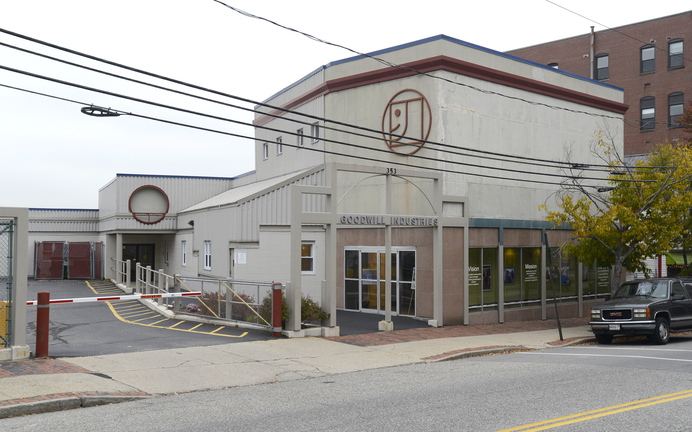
[373, 267]
[365, 280]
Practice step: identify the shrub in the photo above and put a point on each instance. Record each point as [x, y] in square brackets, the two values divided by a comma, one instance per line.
[310, 311]
[265, 308]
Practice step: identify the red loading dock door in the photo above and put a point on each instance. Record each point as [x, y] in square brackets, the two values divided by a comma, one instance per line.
[79, 260]
[98, 260]
[49, 260]
[84, 260]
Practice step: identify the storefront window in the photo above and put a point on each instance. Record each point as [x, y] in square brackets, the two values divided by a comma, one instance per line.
[602, 280]
[569, 285]
[483, 278]
[512, 275]
[521, 276]
[530, 274]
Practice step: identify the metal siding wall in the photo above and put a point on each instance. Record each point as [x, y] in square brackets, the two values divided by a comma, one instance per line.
[273, 208]
[182, 192]
[55, 220]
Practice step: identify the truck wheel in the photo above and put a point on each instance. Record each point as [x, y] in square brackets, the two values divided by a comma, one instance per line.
[661, 332]
[604, 338]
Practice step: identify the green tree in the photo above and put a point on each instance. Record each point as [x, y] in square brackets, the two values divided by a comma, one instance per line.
[641, 213]
[686, 121]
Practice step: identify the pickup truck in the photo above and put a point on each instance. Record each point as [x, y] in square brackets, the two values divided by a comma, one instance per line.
[652, 307]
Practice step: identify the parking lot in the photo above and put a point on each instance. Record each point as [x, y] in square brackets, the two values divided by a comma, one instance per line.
[110, 327]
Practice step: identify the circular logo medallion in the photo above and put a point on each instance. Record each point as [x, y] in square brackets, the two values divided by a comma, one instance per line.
[406, 122]
[149, 204]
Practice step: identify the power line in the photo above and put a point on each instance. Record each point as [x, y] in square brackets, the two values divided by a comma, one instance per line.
[504, 156]
[418, 72]
[610, 28]
[187, 111]
[629, 122]
[407, 165]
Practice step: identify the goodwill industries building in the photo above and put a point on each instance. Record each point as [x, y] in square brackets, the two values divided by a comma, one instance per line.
[407, 182]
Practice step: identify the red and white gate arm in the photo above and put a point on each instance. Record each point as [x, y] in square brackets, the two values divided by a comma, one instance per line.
[124, 297]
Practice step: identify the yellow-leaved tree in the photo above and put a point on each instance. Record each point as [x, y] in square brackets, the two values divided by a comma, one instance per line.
[642, 213]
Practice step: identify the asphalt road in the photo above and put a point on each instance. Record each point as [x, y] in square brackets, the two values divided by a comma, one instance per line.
[634, 386]
[94, 328]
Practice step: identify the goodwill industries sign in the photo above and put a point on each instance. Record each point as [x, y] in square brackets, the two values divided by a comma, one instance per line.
[388, 220]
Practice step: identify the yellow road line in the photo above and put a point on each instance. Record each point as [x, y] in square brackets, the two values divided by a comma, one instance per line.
[601, 412]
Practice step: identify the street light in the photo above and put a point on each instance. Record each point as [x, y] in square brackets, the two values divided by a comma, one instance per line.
[96, 111]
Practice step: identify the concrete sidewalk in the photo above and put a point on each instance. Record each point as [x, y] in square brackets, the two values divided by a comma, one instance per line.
[42, 385]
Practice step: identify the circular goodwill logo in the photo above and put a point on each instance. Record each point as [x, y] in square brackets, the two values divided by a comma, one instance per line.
[406, 122]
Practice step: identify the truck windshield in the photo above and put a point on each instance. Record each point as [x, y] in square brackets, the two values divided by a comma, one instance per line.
[657, 289]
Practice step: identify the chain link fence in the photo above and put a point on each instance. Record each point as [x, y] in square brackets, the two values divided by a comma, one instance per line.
[6, 238]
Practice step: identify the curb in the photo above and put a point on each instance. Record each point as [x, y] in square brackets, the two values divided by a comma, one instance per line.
[483, 351]
[474, 352]
[61, 404]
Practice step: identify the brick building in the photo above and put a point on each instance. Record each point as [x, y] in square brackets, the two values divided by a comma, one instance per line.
[650, 60]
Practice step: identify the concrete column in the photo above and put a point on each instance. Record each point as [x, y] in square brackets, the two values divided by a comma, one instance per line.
[293, 323]
[20, 266]
[544, 282]
[501, 283]
[387, 323]
[466, 275]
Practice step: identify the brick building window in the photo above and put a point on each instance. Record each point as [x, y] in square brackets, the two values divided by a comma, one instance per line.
[648, 62]
[602, 67]
[675, 58]
[648, 114]
[676, 102]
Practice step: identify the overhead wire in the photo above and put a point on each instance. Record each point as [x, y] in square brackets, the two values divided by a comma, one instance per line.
[213, 117]
[504, 156]
[501, 157]
[359, 157]
[611, 28]
[632, 122]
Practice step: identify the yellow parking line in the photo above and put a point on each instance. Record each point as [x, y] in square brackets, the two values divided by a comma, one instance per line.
[146, 318]
[138, 313]
[172, 327]
[601, 412]
[122, 307]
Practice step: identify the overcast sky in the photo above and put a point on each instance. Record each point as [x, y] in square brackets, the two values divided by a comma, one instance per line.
[53, 156]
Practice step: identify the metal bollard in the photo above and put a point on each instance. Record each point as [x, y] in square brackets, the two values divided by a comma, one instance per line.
[276, 309]
[42, 324]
